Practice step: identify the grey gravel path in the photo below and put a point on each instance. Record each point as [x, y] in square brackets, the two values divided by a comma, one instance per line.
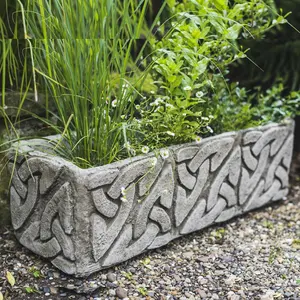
[254, 257]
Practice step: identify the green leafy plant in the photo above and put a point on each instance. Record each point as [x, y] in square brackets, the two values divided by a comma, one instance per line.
[110, 104]
[275, 251]
[191, 62]
[35, 272]
[87, 69]
[252, 108]
[281, 60]
[143, 291]
[31, 290]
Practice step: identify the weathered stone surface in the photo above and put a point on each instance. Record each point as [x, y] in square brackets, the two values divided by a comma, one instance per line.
[185, 177]
[20, 212]
[184, 203]
[64, 240]
[60, 203]
[219, 147]
[122, 249]
[87, 220]
[103, 235]
[101, 178]
[227, 214]
[162, 240]
[163, 190]
[248, 183]
[160, 216]
[103, 204]
[29, 240]
[199, 220]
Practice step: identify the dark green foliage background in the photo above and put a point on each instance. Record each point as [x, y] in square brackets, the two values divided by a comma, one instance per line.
[278, 54]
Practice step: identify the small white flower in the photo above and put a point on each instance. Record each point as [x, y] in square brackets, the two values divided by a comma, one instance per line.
[127, 145]
[5, 107]
[123, 199]
[123, 191]
[211, 116]
[187, 88]
[209, 129]
[153, 161]
[198, 139]
[132, 152]
[152, 92]
[199, 94]
[169, 105]
[164, 153]
[170, 133]
[158, 101]
[145, 149]
[114, 103]
[204, 118]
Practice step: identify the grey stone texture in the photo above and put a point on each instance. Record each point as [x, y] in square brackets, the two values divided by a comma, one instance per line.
[87, 220]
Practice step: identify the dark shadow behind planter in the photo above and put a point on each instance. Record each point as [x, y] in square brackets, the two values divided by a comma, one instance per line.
[30, 106]
[76, 217]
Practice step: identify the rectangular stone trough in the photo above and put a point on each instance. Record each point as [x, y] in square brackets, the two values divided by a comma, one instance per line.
[87, 220]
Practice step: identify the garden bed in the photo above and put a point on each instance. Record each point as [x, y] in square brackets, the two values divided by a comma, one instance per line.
[85, 220]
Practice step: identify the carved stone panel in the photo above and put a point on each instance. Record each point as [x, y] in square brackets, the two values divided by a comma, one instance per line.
[87, 220]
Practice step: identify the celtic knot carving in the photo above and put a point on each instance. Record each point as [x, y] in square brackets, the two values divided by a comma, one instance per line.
[83, 221]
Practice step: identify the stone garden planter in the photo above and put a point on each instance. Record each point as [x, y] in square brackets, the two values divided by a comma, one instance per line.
[80, 220]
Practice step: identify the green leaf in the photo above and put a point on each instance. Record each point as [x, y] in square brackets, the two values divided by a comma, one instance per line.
[171, 78]
[281, 20]
[29, 290]
[143, 291]
[146, 261]
[202, 66]
[171, 3]
[233, 32]
[191, 17]
[1, 296]
[217, 25]
[204, 32]
[220, 4]
[36, 274]
[10, 278]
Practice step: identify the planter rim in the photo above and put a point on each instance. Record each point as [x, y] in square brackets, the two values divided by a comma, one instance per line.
[39, 147]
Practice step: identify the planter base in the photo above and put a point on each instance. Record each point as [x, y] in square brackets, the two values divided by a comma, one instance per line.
[80, 220]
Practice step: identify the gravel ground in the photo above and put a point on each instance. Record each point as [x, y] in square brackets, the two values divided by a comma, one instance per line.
[253, 257]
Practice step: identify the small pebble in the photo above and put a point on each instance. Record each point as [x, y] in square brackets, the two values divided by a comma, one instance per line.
[121, 293]
[111, 277]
